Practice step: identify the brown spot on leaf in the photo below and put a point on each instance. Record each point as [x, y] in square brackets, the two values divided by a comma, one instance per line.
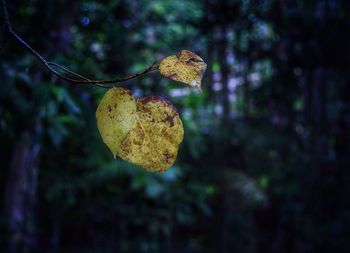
[125, 92]
[146, 100]
[190, 63]
[167, 156]
[170, 120]
[188, 54]
[173, 76]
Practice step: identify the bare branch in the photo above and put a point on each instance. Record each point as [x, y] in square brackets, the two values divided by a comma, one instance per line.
[79, 79]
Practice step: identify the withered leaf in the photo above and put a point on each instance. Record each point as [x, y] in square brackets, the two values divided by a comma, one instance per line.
[152, 141]
[185, 67]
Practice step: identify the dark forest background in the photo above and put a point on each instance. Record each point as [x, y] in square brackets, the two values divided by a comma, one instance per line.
[264, 166]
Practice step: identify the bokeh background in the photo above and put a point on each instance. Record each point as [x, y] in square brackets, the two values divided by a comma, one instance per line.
[264, 166]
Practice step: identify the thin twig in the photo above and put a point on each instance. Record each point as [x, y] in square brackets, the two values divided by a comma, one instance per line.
[81, 79]
[68, 71]
[151, 68]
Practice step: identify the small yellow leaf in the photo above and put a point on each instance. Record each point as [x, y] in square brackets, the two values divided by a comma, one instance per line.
[185, 67]
[154, 140]
[116, 115]
[145, 131]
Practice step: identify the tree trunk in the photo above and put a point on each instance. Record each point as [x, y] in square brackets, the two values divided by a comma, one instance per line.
[21, 195]
[224, 71]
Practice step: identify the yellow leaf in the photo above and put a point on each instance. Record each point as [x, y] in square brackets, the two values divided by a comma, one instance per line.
[115, 117]
[185, 67]
[146, 131]
[154, 140]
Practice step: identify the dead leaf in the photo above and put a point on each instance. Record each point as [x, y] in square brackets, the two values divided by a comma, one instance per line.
[115, 117]
[185, 67]
[153, 140]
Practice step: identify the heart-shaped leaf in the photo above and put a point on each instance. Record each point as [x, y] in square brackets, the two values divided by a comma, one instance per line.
[185, 67]
[147, 134]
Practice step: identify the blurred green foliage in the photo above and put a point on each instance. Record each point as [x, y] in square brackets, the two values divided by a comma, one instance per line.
[265, 171]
